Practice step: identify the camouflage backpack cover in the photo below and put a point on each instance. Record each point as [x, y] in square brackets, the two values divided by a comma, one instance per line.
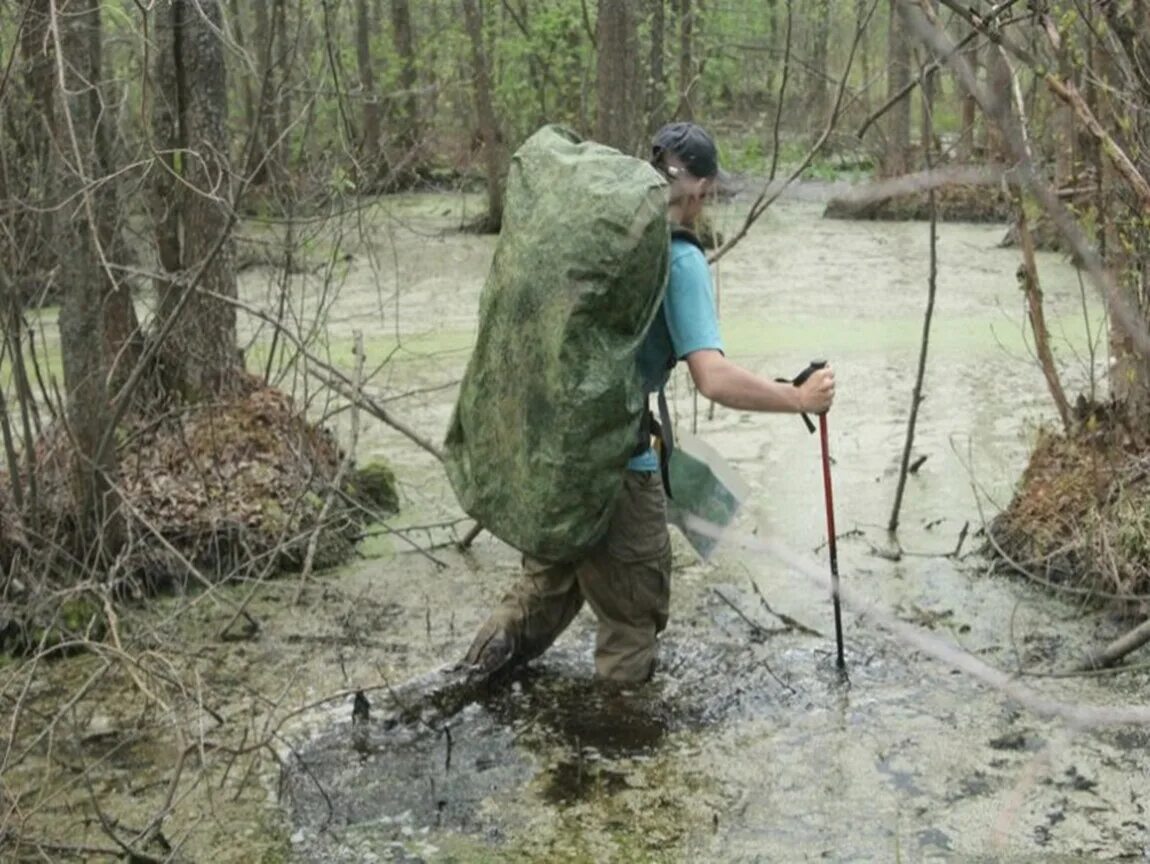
[549, 408]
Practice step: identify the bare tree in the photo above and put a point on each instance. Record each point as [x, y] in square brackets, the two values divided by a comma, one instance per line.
[192, 202]
[818, 77]
[493, 147]
[372, 113]
[897, 126]
[656, 69]
[686, 12]
[617, 74]
[406, 117]
[1128, 75]
[86, 275]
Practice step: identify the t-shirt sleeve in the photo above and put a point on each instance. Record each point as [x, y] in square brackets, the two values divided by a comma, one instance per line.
[689, 306]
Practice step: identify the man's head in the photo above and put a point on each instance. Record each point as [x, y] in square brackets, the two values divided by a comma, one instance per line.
[692, 144]
[686, 154]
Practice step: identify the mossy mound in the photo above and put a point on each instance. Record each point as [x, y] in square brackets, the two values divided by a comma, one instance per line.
[1081, 514]
[374, 485]
[239, 488]
[955, 203]
[236, 480]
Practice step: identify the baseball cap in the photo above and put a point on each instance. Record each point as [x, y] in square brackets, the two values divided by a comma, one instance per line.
[692, 144]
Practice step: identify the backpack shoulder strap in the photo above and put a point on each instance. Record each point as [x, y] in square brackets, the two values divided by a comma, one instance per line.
[678, 232]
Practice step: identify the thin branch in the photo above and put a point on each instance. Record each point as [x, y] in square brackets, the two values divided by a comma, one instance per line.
[336, 379]
[782, 93]
[932, 290]
[766, 197]
[1119, 306]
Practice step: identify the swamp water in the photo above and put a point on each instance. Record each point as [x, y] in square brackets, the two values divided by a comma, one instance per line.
[745, 747]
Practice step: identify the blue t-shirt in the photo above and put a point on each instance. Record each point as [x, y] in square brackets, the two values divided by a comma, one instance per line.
[685, 323]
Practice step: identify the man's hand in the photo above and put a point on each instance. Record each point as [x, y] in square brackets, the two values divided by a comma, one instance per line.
[817, 392]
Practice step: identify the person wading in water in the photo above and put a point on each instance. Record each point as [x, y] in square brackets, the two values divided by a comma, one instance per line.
[626, 576]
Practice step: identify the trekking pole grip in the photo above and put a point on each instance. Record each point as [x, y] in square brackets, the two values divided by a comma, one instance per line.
[801, 379]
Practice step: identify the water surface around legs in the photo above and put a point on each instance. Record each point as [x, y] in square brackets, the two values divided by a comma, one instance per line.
[746, 747]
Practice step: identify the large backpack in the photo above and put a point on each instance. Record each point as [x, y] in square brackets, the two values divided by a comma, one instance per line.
[550, 406]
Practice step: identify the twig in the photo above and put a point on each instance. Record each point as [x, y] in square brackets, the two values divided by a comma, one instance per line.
[1030, 282]
[932, 290]
[1121, 309]
[336, 379]
[758, 628]
[1119, 648]
[337, 481]
[475, 531]
[782, 93]
[766, 197]
[961, 539]
[786, 619]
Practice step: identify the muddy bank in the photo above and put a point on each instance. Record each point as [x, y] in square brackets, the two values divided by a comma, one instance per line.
[239, 742]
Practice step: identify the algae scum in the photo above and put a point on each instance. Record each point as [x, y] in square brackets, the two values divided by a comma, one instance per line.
[745, 747]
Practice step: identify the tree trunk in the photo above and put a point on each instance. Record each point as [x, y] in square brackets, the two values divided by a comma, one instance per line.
[998, 85]
[238, 33]
[372, 115]
[861, 7]
[1130, 246]
[263, 116]
[493, 155]
[407, 120]
[269, 155]
[684, 109]
[86, 280]
[27, 247]
[194, 202]
[966, 137]
[817, 74]
[897, 126]
[1062, 130]
[617, 74]
[656, 83]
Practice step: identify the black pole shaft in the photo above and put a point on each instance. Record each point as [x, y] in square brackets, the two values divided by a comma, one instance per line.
[841, 662]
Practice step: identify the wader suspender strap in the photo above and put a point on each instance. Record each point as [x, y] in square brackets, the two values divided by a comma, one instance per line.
[663, 430]
[662, 427]
[666, 441]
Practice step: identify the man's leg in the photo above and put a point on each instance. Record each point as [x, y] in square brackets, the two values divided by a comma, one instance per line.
[530, 617]
[627, 581]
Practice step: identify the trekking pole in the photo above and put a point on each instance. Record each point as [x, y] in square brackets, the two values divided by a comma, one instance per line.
[830, 507]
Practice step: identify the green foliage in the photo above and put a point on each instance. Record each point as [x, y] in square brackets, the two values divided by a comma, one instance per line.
[540, 73]
[744, 155]
[75, 618]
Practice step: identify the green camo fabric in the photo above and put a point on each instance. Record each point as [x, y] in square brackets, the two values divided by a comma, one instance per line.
[549, 408]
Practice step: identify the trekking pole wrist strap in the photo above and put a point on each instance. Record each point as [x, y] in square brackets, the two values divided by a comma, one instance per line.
[798, 381]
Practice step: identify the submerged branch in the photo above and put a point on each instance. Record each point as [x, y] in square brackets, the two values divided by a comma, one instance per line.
[1119, 648]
